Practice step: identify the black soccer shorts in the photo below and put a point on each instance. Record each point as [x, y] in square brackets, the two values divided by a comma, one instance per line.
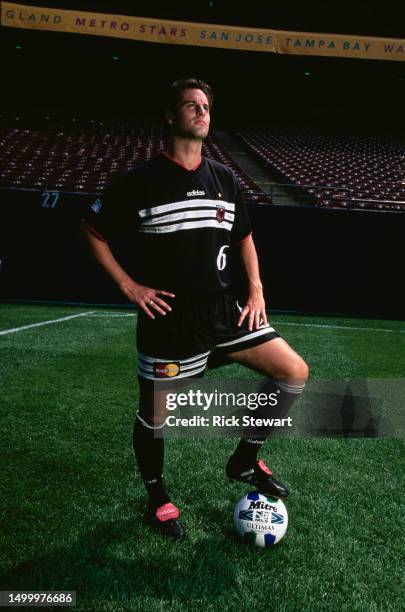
[179, 344]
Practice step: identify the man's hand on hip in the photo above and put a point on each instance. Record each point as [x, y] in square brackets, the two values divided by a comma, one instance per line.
[146, 298]
[255, 310]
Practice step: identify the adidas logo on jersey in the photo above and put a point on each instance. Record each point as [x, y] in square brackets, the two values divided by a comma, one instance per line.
[195, 192]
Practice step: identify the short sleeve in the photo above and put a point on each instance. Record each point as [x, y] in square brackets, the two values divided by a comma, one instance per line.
[241, 226]
[106, 216]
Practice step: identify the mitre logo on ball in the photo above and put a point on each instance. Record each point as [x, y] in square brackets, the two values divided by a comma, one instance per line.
[260, 520]
[259, 505]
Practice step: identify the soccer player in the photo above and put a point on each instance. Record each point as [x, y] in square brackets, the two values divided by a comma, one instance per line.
[183, 212]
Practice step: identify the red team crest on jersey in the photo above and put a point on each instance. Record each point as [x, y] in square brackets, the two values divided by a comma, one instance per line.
[220, 213]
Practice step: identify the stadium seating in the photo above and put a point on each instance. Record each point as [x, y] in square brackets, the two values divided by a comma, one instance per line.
[251, 192]
[341, 172]
[72, 158]
[84, 156]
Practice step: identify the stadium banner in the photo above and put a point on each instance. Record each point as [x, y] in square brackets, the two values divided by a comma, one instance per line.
[199, 34]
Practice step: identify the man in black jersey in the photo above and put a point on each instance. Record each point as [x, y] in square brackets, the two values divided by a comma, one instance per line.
[182, 213]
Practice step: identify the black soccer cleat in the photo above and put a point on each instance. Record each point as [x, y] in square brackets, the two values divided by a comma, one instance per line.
[165, 521]
[259, 476]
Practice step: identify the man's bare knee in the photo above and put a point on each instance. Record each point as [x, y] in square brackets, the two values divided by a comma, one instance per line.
[295, 369]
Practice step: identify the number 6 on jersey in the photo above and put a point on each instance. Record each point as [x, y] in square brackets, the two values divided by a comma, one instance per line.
[221, 259]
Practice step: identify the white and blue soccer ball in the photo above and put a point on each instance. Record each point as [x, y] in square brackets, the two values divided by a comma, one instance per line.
[260, 520]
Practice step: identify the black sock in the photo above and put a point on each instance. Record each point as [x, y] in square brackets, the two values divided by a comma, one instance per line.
[149, 453]
[246, 452]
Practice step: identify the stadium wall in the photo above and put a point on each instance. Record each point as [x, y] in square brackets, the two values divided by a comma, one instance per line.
[312, 260]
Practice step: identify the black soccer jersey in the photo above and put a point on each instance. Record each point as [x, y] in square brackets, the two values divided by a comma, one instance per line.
[180, 222]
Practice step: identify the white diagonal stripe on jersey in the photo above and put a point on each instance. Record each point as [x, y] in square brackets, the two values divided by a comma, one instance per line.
[146, 358]
[186, 215]
[177, 227]
[192, 203]
[259, 332]
[191, 210]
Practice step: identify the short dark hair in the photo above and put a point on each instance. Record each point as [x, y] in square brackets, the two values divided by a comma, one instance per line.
[181, 85]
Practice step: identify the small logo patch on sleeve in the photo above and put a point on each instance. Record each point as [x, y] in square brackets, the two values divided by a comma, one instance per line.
[166, 370]
[96, 206]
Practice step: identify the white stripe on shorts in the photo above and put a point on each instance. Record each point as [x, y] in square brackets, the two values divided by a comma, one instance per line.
[242, 339]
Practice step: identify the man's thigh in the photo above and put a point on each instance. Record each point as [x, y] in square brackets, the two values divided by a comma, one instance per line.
[274, 358]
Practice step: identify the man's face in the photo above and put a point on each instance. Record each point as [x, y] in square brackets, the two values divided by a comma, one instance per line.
[192, 117]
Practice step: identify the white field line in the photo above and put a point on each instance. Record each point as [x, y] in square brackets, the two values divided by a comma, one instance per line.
[112, 315]
[374, 329]
[18, 329]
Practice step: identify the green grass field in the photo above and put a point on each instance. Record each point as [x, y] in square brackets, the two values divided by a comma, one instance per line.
[71, 501]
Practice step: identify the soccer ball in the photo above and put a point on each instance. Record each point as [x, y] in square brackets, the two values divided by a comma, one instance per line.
[260, 520]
